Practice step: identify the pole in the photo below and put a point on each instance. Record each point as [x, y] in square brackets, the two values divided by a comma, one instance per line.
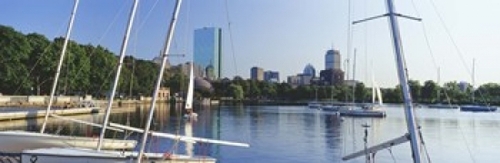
[439, 86]
[118, 71]
[403, 81]
[160, 77]
[132, 78]
[473, 77]
[58, 72]
[354, 79]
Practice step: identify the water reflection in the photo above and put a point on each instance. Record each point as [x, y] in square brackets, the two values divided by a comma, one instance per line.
[294, 133]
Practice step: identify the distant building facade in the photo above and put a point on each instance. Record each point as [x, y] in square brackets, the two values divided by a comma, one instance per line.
[351, 83]
[332, 59]
[257, 73]
[186, 68]
[272, 76]
[309, 70]
[208, 51]
[463, 86]
[331, 76]
[293, 80]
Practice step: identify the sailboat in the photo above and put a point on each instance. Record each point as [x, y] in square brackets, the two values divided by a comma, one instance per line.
[330, 106]
[363, 111]
[440, 105]
[474, 107]
[413, 136]
[190, 114]
[377, 101]
[81, 155]
[16, 141]
[315, 104]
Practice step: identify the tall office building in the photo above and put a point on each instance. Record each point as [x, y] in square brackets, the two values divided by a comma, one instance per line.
[332, 59]
[272, 76]
[208, 51]
[257, 73]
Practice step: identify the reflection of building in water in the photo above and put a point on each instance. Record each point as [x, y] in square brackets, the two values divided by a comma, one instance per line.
[333, 129]
[208, 51]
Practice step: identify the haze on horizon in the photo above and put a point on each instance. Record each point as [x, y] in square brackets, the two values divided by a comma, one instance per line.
[286, 35]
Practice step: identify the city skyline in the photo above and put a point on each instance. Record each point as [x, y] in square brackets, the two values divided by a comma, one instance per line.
[286, 35]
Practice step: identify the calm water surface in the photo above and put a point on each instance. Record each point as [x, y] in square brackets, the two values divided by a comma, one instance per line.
[284, 134]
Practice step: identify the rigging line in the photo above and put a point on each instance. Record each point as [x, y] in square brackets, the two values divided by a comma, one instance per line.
[33, 68]
[424, 147]
[463, 62]
[450, 36]
[392, 155]
[105, 81]
[466, 144]
[41, 55]
[366, 41]
[425, 36]
[188, 23]
[429, 46]
[104, 35]
[230, 36]
[147, 16]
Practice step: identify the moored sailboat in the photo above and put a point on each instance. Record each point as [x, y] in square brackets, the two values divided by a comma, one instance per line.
[475, 107]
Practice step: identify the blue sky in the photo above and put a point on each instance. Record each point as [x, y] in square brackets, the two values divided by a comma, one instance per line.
[286, 35]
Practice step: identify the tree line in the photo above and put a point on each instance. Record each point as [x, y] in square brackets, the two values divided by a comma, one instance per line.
[428, 92]
[28, 64]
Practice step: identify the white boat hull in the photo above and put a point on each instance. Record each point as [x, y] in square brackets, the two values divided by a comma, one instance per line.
[76, 155]
[17, 141]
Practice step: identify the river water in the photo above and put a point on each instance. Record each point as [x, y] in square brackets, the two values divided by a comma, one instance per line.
[286, 134]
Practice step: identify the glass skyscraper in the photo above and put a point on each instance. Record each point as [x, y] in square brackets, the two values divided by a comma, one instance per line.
[208, 51]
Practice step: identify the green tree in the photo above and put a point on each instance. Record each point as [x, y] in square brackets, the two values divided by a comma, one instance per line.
[361, 93]
[430, 91]
[38, 62]
[236, 91]
[14, 54]
[415, 89]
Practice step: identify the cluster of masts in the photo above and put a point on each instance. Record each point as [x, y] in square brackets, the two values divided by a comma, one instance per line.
[48, 148]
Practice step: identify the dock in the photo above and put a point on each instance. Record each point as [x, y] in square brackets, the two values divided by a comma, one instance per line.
[36, 113]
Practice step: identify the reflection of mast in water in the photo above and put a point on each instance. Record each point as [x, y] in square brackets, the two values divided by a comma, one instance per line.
[188, 129]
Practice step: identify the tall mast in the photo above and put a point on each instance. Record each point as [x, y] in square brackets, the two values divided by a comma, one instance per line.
[160, 77]
[118, 71]
[403, 81]
[473, 77]
[439, 85]
[354, 79]
[61, 60]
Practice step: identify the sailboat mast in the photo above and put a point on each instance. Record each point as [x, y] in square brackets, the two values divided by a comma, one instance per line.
[118, 71]
[61, 60]
[403, 81]
[190, 94]
[166, 49]
[439, 85]
[473, 77]
[354, 79]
